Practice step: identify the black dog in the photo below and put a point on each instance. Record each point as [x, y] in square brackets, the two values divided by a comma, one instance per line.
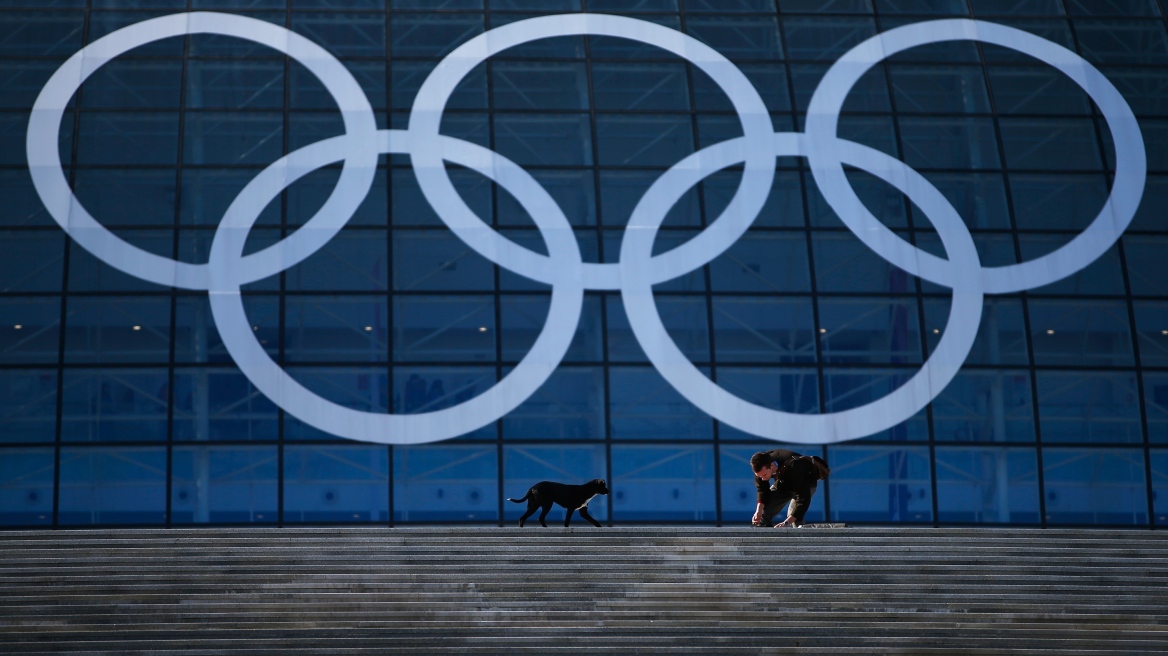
[572, 497]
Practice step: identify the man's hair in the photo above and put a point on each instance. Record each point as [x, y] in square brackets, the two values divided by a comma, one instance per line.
[760, 460]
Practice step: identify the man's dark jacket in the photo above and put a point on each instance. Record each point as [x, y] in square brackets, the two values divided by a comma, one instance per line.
[796, 479]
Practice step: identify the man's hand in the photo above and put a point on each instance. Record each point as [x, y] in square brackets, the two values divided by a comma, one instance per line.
[786, 523]
[756, 520]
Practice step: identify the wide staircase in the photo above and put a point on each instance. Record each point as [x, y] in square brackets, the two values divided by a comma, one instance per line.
[623, 590]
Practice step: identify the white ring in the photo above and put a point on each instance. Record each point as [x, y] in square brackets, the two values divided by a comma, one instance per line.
[275, 383]
[426, 117]
[831, 427]
[44, 161]
[1130, 158]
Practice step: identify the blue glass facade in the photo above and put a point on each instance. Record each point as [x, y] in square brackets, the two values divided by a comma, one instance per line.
[120, 403]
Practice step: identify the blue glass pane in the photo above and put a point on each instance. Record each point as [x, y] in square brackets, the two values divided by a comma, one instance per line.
[985, 406]
[562, 47]
[125, 196]
[1141, 88]
[32, 261]
[663, 483]
[1145, 262]
[637, 86]
[1122, 42]
[825, 38]
[531, 240]
[1159, 461]
[437, 261]
[844, 264]
[644, 406]
[763, 262]
[869, 331]
[431, 35]
[408, 77]
[355, 34]
[940, 89]
[845, 389]
[1058, 202]
[1058, 31]
[344, 328]
[308, 195]
[1081, 406]
[196, 338]
[570, 405]
[214, 45]
[1036, 90]
[336, 484]
[28, 406]
[222, 484]
[604, 47]
[869, 94]
[783, 208]
[747, 37]
[114, 405]
[621, 191]
[307, 92]
[764, 329]
[1152, 331]
[684, 318]
[739, 499]
[539, 85]
[22, 206]
[618, 6]
[573, 190]
[425, 389]
[26, 487]
[987, 485]
[544, 139]
[221, 404]
[880, 484]
[29, 330]
[130, 139]
[980, 199]
[207, 193]
[1059, 144]
[221, 84]
[524, 318]
[643, 140]
[1113, 8]
[235, 138]
[931, 53]
[1001, 333]
[1103, 276]
[769, 81]
[1020, 7]
[953, 7]
[102, 23]
[117, 329]
[443, 329]
[445, 483]
[195, 246]
[787, 390]
[112, 486]
[1093, 486]
[87, 273]
[40, 33]
[950, 143]
[134, 84]
[524, 466]
[1080, 333]
[410, 207]
[353, 260]
[364, 389]
[1156, 406]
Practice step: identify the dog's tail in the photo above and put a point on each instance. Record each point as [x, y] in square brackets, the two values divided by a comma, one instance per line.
[520, 500]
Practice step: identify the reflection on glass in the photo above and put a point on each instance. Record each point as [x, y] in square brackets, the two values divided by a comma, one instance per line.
[222, 484]
[663, 483]
[336, 483]
[880, 484]
[987, 485]
[1094, 486]
[112, 486]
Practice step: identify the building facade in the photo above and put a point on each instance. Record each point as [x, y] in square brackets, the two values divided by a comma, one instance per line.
[393, 261]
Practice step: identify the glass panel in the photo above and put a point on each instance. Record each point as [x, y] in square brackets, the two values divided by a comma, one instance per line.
[214, 45]
[26, 487]
[323, 328]
[221, 484]
[1059, 144]
[1058, 31]
[235, 138]
[431, 35]
[22, 206]
[738, 492]
[1001, 334]
[90, 274]
[644, 406]
[1036, 90]
[115, 330]
[425, 389]
[663, 483]
[940, 89]
[604, 47]
[544, 139]
[308, 195]
[880, 484]
[825, 38]
[763, 262]
[825, 6]
[787, 389]
[1156, 406]
[570, 405]
[987, 485]
[1079, 333]
[1020, 7]
[747, 37]
[225, 84]
[563, 47]
[114, 405]
[540, 85]
[349, 34]
[637, 86]
[850, 388]
[40, 33]
[629, 140]
[949, 143]
[524, 318]
[884, 201]
[443, 329]
[1057, 202]
[869, 331]
[196, 339]
[980, 199]
[445, 483]
[307, 92]
[126, 196]
[1122, 42]
[28, 406]
[437, 261]
[621, 191]
[685, 319]
[31, 261]
[1104, 276]
[667, 240]
[207, 193]
[524, 466]
[336, 484]
[364, 389]
[1083, 406]
[112, 486]
[769, 80]
[134, 84]
[1145, 91]
[1152, 330]
[573, 191]
[985, 406]
[764, 329]
[131, 139]
[844, 264]
[1159, 459]
[29, 330]
[410, 207]
[869, 94]
[1093, 486]
[1145, 262]
[221, 404]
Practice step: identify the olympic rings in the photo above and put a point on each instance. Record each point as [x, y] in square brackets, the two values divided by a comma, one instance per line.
[563, 269]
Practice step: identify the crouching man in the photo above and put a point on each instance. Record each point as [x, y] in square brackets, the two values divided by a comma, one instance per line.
[783, 477]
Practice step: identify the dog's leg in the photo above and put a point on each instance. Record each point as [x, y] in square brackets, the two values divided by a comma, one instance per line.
[543, 515]
[568, 516]
[531, 506]
[585, 515]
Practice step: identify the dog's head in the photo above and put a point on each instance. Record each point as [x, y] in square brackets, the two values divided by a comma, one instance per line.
[598, 486]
